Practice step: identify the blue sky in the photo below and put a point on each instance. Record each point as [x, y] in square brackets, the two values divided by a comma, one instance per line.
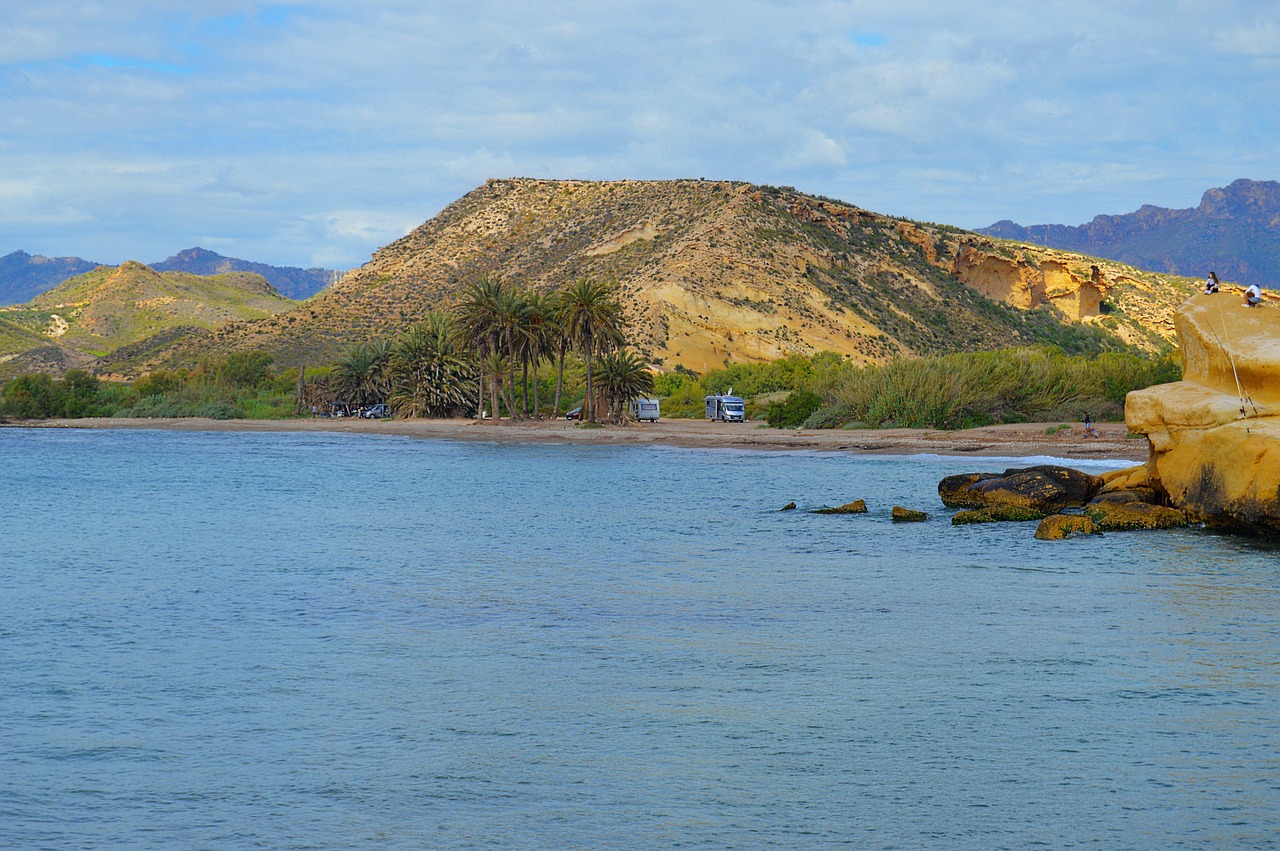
[312, 132]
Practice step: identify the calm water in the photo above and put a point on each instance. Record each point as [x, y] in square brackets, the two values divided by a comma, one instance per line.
[299, 641]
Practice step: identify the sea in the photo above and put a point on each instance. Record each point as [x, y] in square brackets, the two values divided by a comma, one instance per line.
[308, 641]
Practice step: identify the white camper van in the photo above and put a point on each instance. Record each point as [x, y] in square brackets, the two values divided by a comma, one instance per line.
[725, 407]
[645, 410]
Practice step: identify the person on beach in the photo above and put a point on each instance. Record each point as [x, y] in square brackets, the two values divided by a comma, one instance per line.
[1088, 426]
[1252, 296]
[1211, 283]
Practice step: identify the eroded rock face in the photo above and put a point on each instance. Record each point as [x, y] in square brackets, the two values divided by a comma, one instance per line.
[1077, 292]
[1215, 435]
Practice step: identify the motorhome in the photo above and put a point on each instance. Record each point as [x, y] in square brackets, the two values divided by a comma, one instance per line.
[644, 409]
[725, 407]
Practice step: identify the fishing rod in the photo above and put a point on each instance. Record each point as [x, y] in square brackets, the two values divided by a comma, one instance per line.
[1241, 393]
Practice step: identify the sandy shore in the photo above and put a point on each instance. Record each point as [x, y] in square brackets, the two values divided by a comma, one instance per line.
[1022, 440]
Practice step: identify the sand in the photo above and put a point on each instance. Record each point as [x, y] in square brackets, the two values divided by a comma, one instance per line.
[1022, 440]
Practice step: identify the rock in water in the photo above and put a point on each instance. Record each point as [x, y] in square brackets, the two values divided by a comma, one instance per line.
[954, 490]
[858, 506]
[1045, 488]
[907, 515]
[996, 514]
[1111, 517]
[1215, 435]
[790, 506]
[1055, 527]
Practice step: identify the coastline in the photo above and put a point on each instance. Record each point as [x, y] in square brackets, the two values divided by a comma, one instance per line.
[1017, 440]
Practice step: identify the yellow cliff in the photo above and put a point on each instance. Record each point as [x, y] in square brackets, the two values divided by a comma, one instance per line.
[1215, 435]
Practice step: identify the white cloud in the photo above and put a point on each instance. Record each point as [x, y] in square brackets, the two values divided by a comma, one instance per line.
[147, 124]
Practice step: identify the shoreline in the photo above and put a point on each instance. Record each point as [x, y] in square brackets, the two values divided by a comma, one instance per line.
[1016, 440]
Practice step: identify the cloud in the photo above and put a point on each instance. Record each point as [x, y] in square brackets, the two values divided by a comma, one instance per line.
[148, 123]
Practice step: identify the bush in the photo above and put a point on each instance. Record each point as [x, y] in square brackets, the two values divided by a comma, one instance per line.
[794, 410]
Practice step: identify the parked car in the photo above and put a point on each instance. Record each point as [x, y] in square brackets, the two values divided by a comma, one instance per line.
[376, 412]
[575, 414]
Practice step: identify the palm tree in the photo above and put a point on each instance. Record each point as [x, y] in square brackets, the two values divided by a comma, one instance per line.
[360, 377]
[532, 339]
[480, 319]
[592, 321]
[493, 368]
[431, 374]
[622, 377]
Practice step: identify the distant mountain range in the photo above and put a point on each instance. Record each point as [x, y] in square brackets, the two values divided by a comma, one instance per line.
[1235, 231]
[24, 276]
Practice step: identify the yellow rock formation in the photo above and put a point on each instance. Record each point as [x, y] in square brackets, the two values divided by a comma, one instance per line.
[1215, 435]
[1023, 285]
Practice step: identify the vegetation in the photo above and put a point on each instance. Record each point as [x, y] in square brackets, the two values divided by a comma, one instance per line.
[949, 391]
[240, 385]
[982, 388]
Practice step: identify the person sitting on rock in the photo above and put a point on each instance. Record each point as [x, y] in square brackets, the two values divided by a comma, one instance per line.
[1211, 283]
[1253, 295]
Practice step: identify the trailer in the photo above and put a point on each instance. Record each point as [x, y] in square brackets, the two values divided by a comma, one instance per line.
[644, 409]
[726, 408]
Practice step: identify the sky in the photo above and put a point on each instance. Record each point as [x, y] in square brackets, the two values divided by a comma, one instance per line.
[311, 133]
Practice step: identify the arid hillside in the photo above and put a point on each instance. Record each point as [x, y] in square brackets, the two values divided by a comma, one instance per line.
[92, 315]
[715, 272]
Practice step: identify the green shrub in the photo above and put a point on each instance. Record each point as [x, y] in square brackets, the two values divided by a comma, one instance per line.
[794, 410]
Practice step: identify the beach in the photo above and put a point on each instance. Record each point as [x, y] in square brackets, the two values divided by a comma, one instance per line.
[1016, 440]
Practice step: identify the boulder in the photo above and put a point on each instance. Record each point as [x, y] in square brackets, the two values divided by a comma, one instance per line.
[907, 515]
[1112, 517]
[996, 514]
[790, 506]
[1045, 488]
[1120, 497]
[1055, 527]
[1214, 437]
[858, 506]
[954, 490]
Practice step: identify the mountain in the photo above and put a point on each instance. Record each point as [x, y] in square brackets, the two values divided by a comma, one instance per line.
[91, 315]
[24, 276]
[717, 272]
[289, 281]
[1235, 231]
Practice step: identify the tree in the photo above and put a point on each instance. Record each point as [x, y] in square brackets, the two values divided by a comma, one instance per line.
[77, 393]
[622, 377]
[361, 377]
[591, 319]
[31, 395]
[534, 337]
[485, 318]
[430, 374]
[244, 369]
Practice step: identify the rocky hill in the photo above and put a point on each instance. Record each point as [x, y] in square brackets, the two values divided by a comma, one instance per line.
[1235, 231]
[24, 276]
[80, 320]
[716, 272]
